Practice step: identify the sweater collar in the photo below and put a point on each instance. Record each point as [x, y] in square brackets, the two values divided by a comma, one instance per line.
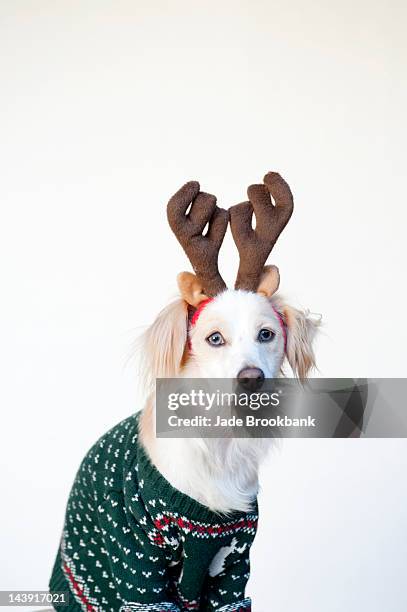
[158, 494]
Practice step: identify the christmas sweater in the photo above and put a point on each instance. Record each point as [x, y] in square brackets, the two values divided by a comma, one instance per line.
[133, 543]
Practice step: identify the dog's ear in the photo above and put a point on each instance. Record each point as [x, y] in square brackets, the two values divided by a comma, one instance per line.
[301, 330]
[191, 289]
[269, 281]
[163, 343]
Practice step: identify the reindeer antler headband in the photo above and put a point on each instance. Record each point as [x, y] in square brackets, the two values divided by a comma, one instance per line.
[253, 245]
[202, 250]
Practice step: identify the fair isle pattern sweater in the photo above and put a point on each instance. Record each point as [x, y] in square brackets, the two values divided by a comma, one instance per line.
[133, 543]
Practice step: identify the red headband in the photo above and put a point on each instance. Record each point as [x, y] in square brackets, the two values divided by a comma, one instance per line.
[203, 304]
[283, 327]
[198, 311]
[196, 315]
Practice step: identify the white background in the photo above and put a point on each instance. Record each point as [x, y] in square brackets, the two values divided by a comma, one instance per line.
[106, 109]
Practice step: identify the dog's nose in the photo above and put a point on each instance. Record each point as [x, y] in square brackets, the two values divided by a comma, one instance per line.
[251, 379]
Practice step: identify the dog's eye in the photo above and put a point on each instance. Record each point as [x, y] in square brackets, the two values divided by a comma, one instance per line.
[215, 339]
[265, 335]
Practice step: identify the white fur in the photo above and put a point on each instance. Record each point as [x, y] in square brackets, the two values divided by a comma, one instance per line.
[222, 474]
[238, 316]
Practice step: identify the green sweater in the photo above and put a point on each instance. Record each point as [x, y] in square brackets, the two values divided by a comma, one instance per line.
[132, 542]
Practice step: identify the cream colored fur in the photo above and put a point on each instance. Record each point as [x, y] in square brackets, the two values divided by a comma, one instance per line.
[222, 474]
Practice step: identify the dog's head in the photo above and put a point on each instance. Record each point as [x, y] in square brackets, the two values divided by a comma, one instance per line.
[237, 334]
[212, 331]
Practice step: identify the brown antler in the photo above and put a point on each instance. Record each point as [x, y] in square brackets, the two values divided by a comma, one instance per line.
[202, 249]
[255, 245]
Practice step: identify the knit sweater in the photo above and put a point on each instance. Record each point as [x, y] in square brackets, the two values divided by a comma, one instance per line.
[133, 543]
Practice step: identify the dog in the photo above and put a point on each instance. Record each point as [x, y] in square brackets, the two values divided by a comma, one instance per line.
[167, 524]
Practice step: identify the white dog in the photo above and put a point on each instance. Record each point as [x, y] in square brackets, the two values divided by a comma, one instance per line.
[238, 334]
[157, 524]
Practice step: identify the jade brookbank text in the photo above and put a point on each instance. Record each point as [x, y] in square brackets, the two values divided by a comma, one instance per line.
[233, 421]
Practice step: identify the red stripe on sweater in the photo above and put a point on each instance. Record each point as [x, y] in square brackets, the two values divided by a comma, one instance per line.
[78, 589]
[162, 523]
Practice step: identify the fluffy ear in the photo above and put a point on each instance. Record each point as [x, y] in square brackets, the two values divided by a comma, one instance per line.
[191, 289]
[163, 344]
[301, 330]
[269, 281]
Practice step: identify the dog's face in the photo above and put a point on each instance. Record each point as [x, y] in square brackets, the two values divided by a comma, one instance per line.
[237, 332]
